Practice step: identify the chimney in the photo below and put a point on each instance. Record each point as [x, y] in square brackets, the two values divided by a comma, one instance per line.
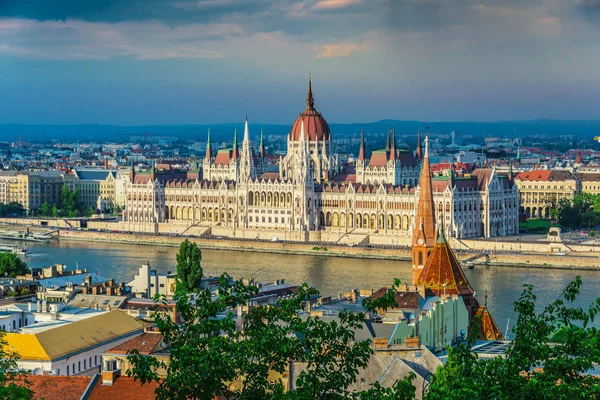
[110, 372]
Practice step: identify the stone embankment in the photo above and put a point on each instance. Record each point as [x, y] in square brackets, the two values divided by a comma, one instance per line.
[573, 261]
[576, 260]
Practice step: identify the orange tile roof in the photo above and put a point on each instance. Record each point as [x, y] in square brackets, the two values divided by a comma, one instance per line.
[488, 329]
[545, 175]
[58, 387]
[124, 388]
[145, 344]
[441, 269]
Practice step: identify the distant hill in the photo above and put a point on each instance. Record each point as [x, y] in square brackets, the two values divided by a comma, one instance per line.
[224, 132]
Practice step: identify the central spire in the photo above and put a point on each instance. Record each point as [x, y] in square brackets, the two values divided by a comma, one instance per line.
[310, 102]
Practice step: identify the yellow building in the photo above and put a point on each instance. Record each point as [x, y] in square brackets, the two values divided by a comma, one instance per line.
[71, 347]
[96, 187]
[589, 182]
[32, 189]
[541, 190]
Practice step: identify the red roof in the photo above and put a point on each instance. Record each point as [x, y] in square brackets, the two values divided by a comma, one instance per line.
[545, 175]
[378, 159]
[145, 344]
[315, 127]
[54, 387]
[124, 388]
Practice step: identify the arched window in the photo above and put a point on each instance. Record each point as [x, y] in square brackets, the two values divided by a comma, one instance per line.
[420, 258]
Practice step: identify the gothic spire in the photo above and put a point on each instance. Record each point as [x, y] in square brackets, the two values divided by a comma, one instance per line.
[261, 145]
[387, 141]
[362, 152]
[310, 102]
[208, 147]
[419, 152]
[393, 147]
[246, 131]
[424, 235]
[235, 154]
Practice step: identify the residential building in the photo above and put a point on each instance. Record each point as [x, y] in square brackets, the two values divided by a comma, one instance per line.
[32, 189]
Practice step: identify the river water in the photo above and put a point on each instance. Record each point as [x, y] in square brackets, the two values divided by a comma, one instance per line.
[332, 275]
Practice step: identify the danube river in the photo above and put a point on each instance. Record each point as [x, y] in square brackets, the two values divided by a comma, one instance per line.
[331, 275]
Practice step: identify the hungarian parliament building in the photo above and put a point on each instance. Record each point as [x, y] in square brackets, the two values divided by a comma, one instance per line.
[312, 198]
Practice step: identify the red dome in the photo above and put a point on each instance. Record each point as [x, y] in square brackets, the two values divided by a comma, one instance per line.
[315, 126]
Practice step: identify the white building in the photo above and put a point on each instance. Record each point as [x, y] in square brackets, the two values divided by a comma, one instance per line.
[309, 200]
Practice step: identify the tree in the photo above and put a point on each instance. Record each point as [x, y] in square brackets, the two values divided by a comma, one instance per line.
[212, 348]
[223, 348]
[54, 211]
[12, 265]
[117, 209]
[12, 209]
[189, 270]
[69, 202]
[13, 384]
[541, 363]
[45, 209]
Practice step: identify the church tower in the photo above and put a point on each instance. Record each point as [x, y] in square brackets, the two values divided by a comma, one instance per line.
[423, 237]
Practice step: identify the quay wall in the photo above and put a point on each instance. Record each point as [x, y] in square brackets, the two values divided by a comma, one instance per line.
[503, 253]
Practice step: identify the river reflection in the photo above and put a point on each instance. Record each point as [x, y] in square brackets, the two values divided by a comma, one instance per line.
[331, 275]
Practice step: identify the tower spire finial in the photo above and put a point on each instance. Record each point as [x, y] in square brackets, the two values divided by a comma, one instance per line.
[310, 102]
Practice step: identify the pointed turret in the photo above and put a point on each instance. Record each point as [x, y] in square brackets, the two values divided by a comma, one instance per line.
[510, 171]
[246, 171]
[387, 141]
[419, 152]
[235, 153]
[261, 145]
[246, 132]
[393, 153]
[208, 155]
[423, 237]
[362, 153]
[519, 153]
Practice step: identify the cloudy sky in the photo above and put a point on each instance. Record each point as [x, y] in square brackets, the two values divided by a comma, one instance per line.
[209, 61]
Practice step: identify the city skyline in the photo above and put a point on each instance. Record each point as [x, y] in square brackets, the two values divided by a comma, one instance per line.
[208, 62]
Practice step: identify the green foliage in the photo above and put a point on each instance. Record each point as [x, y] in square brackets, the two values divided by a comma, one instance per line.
[582, 212]
[517, 375]
[189, 270]
[212, 348]
[12, 265]
[69, 203]
[54, 211]
[117, 210]
[221, 342]
[13, 384]
[45, 210]
[12, 209]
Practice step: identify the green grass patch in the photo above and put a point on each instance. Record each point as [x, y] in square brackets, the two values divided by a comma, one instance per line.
[535, 225]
